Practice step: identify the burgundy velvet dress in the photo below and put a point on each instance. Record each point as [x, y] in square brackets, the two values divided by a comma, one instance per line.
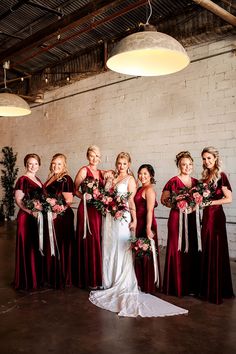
[57, 270]
[216, 282]
[144, 267]
[89, 255]
[28, 257]
[182, 269]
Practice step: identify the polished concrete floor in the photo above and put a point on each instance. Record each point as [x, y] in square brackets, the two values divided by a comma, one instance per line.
[65, 322]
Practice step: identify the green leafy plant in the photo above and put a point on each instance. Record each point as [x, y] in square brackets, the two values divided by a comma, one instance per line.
[8, 177]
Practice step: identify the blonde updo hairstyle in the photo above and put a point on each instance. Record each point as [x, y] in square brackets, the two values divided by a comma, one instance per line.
[95, 149]
[124, 155]
[64, 171]
[212, 175]
[182, 155]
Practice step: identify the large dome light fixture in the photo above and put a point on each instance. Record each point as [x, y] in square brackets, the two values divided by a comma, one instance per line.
[11, 105]
[148, 53]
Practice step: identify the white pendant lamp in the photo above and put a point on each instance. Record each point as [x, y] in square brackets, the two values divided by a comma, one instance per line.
[11, 105]
[148, 53]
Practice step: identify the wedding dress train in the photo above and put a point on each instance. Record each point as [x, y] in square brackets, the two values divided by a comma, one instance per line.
[121, 294]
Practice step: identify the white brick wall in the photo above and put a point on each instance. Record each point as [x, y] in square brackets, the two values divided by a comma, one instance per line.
[152, 118]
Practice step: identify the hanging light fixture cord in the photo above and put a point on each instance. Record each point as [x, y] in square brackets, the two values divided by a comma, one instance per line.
[150, 13]
[5, 77]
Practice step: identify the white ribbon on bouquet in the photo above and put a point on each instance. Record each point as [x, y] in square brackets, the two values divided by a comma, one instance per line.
[52, 234]
[199, 241]
[155, 263]
[40, 231]
[185, 216]
[86, 219]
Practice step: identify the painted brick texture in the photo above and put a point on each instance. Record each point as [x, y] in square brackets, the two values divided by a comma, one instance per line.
[152, 118]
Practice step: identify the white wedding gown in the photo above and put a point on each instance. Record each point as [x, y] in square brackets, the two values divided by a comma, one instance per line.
[121, 294]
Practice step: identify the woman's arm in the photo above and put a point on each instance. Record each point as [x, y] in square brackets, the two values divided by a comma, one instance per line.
[226, 199]
[165, 199]
[81, 175]
[150, 197]
[68, 197]
[132, 190]
[19, 195]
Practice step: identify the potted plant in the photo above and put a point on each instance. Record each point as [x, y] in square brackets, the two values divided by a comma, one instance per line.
[8, 177]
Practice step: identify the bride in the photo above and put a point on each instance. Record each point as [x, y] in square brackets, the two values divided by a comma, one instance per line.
[121, 294]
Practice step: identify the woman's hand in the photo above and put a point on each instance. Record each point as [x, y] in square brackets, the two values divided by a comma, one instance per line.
[149, 233]
[132, 226]
[34, 214]
[109, 174]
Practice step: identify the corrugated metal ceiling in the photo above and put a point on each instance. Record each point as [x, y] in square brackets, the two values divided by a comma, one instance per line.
[73, 33]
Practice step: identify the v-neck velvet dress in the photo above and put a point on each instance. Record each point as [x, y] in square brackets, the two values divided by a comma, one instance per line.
[216, 281]
[27, 257]
[144, 267]
[89, 254]
[57, 270]
[182, 269]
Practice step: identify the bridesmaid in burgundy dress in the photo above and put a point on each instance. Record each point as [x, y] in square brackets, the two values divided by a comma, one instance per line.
[145, 202]
[88, 249]
[28, 257]
[182, 269]
[57, 272]
[216, 282]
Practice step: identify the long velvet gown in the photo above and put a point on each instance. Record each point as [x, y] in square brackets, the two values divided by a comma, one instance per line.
[144, 267]
[57, 270]
[28, 257]
[89, 255]
[216, 282]
[182, 269]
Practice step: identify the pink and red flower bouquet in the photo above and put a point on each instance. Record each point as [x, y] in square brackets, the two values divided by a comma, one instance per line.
[189, 198]
[141, 247]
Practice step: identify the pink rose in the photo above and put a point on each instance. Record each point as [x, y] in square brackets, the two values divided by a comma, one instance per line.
[206, 193]
[58, 209]
[145, 247]
[109, 199]
[96, 193]
[88, 196]
[37, 205]
[197, 198]
[182, 204]
[140, 243]
[51, 201]
[90, 185]
[118, 215]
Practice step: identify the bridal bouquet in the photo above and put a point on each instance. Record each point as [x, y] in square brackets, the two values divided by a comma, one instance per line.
[105, 200]
[141, 247]
[111, 202]
[187, 199]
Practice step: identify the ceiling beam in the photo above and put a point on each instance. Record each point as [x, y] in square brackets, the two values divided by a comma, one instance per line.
[88, 11]
[217, 10]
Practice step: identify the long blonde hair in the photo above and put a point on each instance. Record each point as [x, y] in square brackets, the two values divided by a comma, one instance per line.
[213, 175]
[65, 170]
